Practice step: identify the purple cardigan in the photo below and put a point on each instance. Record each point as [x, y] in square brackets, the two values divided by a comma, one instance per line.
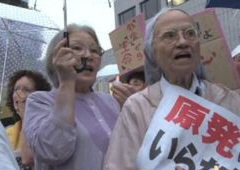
[60, 146]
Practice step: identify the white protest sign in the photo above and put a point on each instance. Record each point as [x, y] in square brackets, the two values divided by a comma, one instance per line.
[190, 131]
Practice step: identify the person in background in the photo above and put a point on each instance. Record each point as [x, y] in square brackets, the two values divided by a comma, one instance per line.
[137, 80]
[20, 85]
[172, 58]
[134, 82]
[7, 158]
[69, 127]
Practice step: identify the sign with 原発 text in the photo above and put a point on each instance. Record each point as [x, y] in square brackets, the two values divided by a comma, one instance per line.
[190, 132]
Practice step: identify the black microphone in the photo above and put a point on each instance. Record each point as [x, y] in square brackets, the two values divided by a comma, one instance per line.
[82, 66]
[65, 35]
[198, 91]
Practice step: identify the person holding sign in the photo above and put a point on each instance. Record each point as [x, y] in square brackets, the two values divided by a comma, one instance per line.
[172, 66]
[70, 126]
[134, 82]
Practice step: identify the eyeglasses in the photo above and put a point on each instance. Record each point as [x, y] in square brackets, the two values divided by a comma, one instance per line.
[23, 89]
[82, 48]
[172, 36]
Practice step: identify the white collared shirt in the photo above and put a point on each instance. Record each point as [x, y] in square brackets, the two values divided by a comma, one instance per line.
[197, 86]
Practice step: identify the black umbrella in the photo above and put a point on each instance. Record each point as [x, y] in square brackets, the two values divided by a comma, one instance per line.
[223, 4]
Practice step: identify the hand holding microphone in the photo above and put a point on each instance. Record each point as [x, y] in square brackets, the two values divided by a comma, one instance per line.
[82, 66]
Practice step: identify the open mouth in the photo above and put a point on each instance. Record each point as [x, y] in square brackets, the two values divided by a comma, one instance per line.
[82, 68]
[88, 68]
[182, 56]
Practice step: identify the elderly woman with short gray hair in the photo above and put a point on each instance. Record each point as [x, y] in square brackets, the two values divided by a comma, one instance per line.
[172, 58]
[69, 127]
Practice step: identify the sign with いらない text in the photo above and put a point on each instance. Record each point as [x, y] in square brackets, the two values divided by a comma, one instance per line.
[215, 54]
[191, 132]
[128, 43]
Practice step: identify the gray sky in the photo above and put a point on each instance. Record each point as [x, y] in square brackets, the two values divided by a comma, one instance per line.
[95, 13]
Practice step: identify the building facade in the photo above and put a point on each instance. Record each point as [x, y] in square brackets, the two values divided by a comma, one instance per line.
[229, 18]
[126, 9]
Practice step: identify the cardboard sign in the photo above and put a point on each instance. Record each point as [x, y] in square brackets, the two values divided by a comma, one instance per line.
[128, 43]
[215, 54]
[191, 132]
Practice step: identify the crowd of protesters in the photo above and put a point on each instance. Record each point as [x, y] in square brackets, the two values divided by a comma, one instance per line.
[72, 126]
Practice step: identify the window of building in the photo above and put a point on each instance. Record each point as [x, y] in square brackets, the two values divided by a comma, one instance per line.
[150, 7]
[126, 15]
[176, 2]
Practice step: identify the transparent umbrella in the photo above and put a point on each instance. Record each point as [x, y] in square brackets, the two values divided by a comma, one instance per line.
[108, 70]
[24, 36]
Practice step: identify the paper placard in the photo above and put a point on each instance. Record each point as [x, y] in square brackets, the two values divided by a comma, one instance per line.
[128, 43]
[215, 54]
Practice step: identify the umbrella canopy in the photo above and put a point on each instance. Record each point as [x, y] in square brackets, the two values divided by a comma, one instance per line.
[223, 4]
[24, 38]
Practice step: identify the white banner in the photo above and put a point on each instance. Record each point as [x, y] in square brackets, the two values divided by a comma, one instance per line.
[191, 132]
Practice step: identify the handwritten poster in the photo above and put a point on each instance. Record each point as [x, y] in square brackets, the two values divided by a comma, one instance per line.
[215, 54]
[191, 132]
[128, 43]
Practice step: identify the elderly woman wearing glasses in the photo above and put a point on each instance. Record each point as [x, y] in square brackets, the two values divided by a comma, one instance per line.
[69, 127]
[173, 58]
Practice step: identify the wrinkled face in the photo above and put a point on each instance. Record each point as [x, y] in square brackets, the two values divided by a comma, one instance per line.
[176, 45]
[84, 45]
[23, 87]
[137, 84]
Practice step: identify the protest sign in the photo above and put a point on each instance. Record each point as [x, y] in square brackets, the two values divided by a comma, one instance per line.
[215, 54]
[127, 42]
[192, 132]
